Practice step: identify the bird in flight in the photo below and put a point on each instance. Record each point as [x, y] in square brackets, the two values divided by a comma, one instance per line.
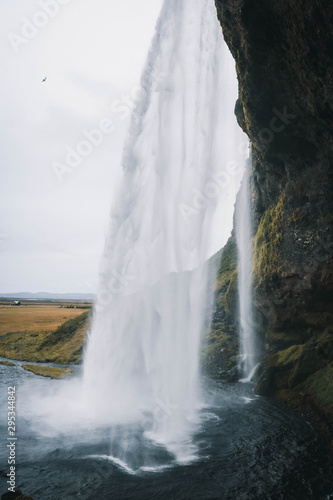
[44, 79]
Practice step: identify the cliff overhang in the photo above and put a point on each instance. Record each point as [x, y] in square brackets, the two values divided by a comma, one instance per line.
[283, 51]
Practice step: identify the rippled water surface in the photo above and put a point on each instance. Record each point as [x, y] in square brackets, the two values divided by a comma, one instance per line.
[244, 447]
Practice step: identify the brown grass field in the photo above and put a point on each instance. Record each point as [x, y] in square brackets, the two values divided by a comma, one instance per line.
[35, 316]
[63, 345]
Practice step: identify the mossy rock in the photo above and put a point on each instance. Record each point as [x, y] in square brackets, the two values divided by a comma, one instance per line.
[229, 260]
[267, 242]
[7, 363]
[281, 340]
[227, 302]
[220, 353]
[228, 296]
[302, 377]
[320, 386]
[288, 368]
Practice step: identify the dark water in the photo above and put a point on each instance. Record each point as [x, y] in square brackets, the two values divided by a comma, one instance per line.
[248, 448]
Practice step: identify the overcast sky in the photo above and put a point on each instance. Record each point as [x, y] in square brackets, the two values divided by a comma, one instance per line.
[55, 204]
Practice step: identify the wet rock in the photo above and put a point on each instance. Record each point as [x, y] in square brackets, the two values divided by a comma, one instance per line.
[220, 354]
[283, 51]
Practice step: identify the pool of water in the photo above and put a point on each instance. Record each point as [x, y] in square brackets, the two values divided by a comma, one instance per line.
[244, 447]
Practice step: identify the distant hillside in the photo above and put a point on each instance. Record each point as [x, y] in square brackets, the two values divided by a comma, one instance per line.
[49, 296]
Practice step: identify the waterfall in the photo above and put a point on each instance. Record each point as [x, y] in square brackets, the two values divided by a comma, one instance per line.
[244, 245]
[181, 167]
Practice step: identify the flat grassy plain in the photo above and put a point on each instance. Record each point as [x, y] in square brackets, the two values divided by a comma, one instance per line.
[36, 316]
[63, 345]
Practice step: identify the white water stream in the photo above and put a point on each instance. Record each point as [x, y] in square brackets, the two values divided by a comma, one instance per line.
[182, 166]
[248, 359]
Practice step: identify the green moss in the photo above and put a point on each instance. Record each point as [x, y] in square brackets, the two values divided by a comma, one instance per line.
[219, 355]
[298, 362]
[306, 384]
[229, 259]
[48, 371]
[289, 368]
[7, 363]
[290, 355]
[219, 334]
[227, 282]
[267, 242]
[228, 296]
[211, 350]
[284, 338]
[320, 385]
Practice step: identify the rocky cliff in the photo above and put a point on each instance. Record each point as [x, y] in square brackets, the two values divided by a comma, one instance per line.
[283, 50]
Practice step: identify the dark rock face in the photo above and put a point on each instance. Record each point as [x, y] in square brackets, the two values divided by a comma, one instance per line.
[283, 51]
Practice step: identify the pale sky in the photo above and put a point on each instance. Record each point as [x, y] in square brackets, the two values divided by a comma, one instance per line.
[54, 211]
[61, 139]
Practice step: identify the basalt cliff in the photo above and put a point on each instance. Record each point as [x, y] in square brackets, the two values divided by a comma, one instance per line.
[283, 50]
